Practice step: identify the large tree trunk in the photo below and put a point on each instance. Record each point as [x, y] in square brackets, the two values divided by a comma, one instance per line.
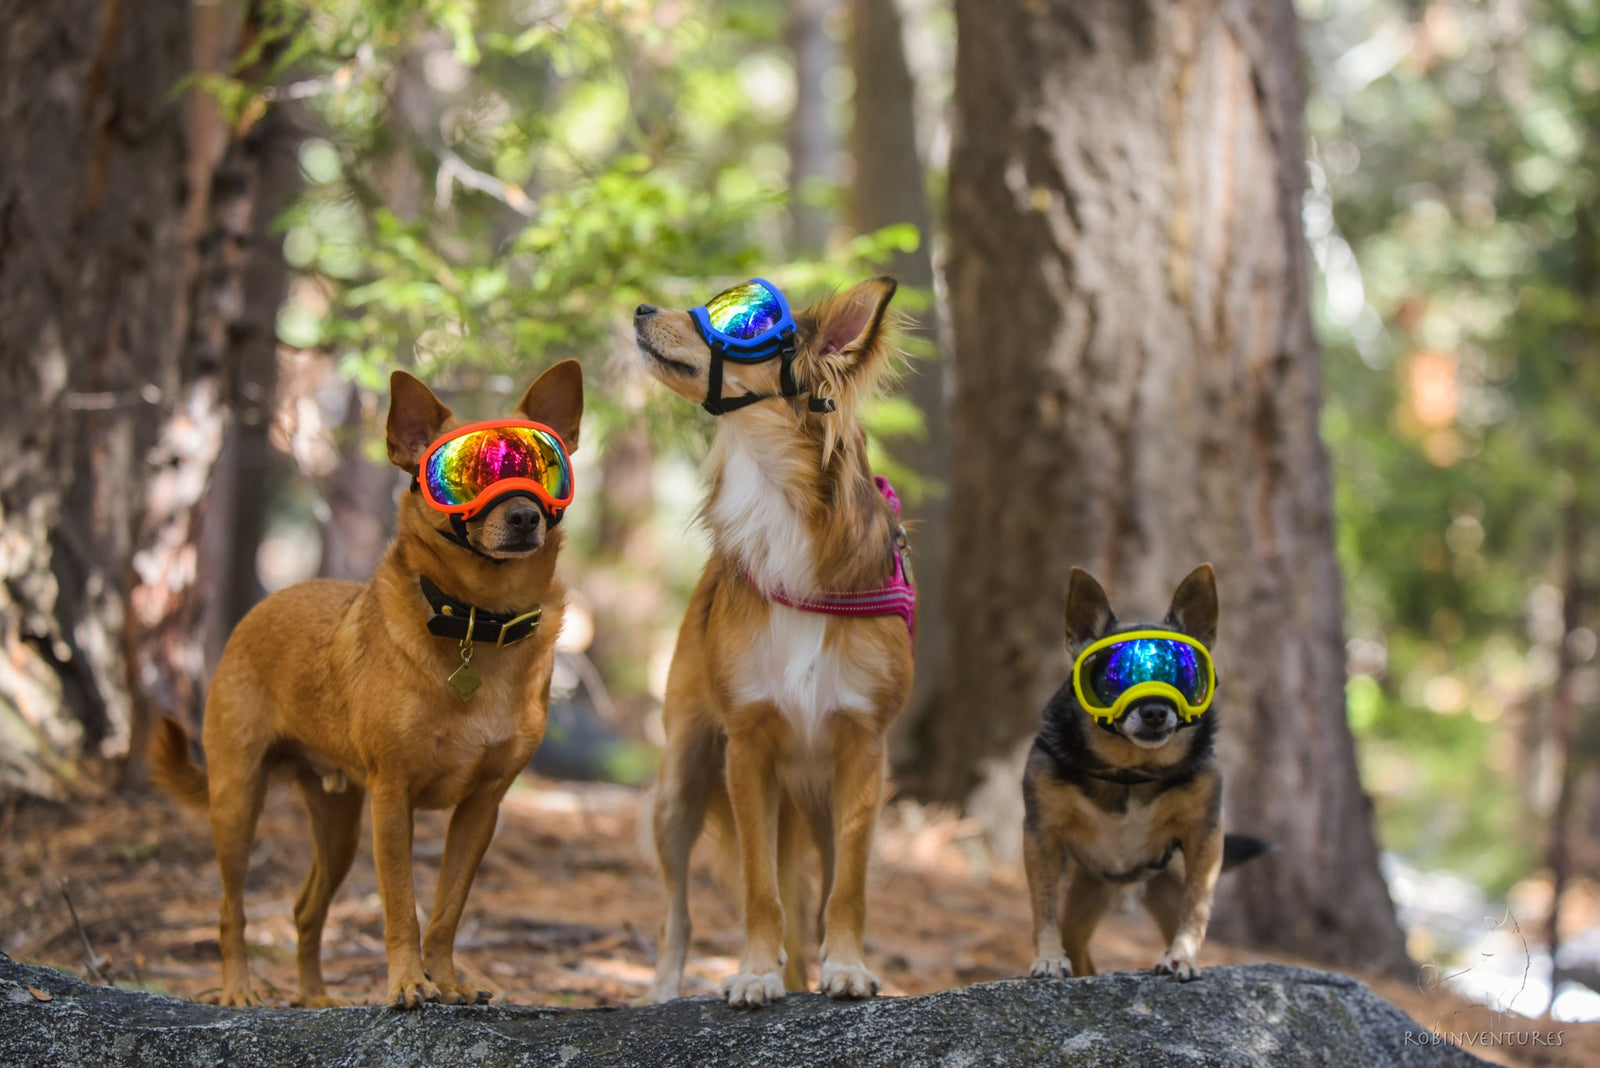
[92, 203]
[888, 188]
[119, 334]
[1137, 391]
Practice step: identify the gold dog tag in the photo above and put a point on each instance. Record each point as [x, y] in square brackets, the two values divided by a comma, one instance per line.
[465, 680]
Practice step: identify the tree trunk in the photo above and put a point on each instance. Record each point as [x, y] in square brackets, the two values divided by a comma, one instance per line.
[120, 335]
[811, 139]
[1137, 391]
[888, 188]
[92, 206]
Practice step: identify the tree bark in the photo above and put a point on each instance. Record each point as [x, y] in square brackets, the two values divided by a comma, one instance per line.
[92, 205]
[119, 334]
[1137, 390]
[889, 187]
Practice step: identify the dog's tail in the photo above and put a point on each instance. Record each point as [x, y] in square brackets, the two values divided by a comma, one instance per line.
[173, 769]
[1239, 848]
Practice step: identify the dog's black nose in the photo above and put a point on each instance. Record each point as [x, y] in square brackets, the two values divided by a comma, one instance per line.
[522, 518]
[1153, 713]
[644, 311]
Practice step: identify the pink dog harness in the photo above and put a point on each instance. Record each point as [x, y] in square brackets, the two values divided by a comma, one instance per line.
[898, 598]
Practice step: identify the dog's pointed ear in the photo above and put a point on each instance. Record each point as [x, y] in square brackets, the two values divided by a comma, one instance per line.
[849, 323]
[415, 416]
[1194, 605]
[556, 400]
[1089, 613]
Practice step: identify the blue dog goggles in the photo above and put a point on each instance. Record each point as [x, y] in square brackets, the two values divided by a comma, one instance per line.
[750, 323]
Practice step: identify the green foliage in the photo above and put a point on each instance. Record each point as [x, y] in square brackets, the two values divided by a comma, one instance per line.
[498, 184]
[1461, 370]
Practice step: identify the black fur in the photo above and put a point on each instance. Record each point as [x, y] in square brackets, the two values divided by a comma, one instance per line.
[1063, 747]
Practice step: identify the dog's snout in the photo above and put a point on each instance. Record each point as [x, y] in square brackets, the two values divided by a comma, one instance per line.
[522, 518]
[1153, 710]
[644, 311]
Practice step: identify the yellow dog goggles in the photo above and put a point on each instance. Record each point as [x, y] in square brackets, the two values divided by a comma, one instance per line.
[1114, 672]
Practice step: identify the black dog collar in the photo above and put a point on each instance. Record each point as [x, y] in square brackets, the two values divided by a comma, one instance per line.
[1125, 777]
[454, 619]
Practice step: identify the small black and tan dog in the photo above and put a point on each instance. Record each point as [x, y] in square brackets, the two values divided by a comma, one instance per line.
[1122, 786]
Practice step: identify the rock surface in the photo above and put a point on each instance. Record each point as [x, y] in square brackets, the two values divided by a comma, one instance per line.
[1245, 1015]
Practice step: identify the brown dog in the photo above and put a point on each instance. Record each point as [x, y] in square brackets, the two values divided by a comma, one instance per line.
[776, 716]
[343, 686]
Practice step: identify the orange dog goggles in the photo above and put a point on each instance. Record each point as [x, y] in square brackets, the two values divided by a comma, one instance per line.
[470, 468]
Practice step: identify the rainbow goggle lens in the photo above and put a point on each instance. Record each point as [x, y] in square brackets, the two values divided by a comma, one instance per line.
[750, 322]
[1114, 672]
[468, 469]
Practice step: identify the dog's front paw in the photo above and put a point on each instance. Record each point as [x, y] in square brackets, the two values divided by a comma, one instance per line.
[463, 994]
[848, 980]
[1051, 968]
[1179, 967]
[751, 990]
[411, 991]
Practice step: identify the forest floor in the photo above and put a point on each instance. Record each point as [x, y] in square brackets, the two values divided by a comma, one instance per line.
[564, 911]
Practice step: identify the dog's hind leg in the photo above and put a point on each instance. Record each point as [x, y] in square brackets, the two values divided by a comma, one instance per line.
[335, 832]
[792, 892]
[1087, 901]
[690, 769]
[238, 785]
[820, 814]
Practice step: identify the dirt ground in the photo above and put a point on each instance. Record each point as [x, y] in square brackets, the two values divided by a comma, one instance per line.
[564, 911]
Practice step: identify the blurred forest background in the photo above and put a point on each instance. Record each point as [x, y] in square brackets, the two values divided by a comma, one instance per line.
[223, 223]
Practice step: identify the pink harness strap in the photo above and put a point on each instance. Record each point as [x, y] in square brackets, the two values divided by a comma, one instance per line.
[898, 598]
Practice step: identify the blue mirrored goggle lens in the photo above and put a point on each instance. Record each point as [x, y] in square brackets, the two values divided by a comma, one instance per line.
[744, 312]
[1117, 669]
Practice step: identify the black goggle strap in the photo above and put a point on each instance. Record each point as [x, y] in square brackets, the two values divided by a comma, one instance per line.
[717, 404]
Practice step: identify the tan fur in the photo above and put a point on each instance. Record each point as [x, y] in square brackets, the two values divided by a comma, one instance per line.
[340, 686]
[783, 770]
[1077, 825]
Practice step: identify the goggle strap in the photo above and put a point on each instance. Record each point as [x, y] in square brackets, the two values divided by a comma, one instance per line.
[458, 534]
[786, 380]
[716, 404]
[714, 381]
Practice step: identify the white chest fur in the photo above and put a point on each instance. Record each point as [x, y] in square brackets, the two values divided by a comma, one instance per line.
[789, 662]
[790, 665]
[756, 521]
